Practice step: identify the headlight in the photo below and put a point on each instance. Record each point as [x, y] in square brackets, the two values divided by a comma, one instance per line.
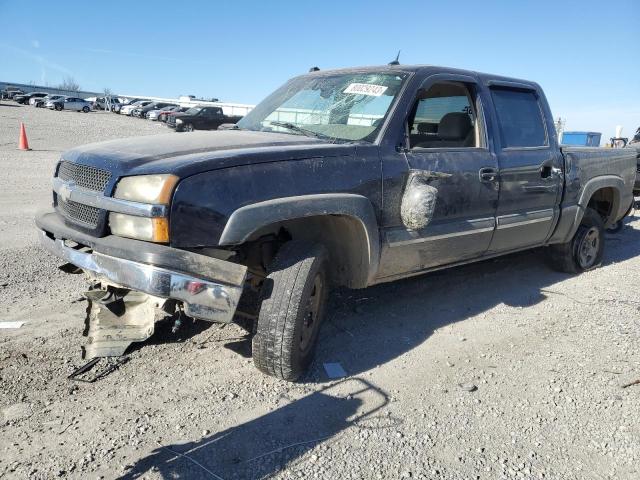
[178, 121]
[154, 189]
[140, 228]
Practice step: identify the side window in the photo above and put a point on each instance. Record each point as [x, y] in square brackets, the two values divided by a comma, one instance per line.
[444, 116]
[519, 118]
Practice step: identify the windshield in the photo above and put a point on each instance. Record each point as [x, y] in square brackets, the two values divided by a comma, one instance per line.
[193, 110]
[340, 107]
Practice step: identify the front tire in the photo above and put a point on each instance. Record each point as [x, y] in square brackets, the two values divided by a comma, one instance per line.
[293, 306]
[58, 107]
[584, 251]
[188, 128]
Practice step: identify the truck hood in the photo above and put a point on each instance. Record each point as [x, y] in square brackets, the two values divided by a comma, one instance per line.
[195, 152]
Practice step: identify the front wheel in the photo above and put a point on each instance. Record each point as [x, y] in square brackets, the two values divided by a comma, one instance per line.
[584, 251]
[293, 305]
[188, 127]
[58, 107]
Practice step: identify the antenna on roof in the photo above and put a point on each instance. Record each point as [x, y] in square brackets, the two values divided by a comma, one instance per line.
[314, 69]
[397, 59]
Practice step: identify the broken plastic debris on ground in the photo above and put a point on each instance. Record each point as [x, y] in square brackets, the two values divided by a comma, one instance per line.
[7, 325]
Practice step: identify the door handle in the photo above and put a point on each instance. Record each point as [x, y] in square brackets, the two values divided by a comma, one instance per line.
[487, 174]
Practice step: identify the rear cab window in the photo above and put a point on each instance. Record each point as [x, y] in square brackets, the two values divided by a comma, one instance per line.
[520, 119]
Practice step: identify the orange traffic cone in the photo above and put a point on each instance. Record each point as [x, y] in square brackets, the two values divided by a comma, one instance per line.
[23, 144]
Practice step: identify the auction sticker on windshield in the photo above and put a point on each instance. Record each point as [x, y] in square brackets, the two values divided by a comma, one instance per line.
[365, 89]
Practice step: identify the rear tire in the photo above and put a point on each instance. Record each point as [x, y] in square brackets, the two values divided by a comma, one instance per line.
[584, 251]
[85, 109]
[293, 305]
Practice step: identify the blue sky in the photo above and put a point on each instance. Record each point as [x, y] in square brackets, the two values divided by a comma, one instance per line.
[584, 53]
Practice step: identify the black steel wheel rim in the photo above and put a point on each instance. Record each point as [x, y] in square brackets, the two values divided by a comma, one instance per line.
[310, 321]
[589, 247]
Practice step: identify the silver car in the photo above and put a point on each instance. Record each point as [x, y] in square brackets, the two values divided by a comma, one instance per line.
[128, 109]
[154, 114]
[41, 102]
[70, 103]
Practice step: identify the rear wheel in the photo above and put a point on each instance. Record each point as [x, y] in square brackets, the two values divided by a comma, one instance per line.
[293, 305]
[85, 109]
[584, 251]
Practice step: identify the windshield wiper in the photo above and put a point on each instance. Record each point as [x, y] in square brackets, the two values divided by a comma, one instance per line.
[297, 128]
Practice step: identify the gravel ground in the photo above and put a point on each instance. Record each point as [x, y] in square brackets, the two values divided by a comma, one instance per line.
[502, 369]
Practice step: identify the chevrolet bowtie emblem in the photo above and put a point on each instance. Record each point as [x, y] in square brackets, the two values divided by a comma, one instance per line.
[65, 191]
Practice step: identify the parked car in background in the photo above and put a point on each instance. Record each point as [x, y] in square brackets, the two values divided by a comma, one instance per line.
[123, 102]
[142, 111]
[200, 118]
[128, 109]
[101, 103]
[9, 92]
[155, 113]
[37, 96]
[164, 115]
[70, 103]
[23, 98]
[42, 101]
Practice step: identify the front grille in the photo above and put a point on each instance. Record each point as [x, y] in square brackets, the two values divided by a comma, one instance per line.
[84, 176]
[78, 212]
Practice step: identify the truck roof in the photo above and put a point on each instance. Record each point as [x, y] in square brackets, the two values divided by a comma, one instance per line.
[483, 77]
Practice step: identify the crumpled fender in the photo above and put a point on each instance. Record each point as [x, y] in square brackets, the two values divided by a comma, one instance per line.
[250, 218]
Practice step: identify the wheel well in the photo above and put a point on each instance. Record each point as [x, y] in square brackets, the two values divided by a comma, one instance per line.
[344, 236]
[603, 201]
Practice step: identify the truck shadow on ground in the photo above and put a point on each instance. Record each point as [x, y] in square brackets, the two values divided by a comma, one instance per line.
[364, 329]
[368, 328]
[267, 444]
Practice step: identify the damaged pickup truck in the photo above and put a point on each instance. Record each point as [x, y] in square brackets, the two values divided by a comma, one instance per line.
[349, 178]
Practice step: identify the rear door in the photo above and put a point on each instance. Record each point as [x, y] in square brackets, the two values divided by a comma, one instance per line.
[74, 104]
[530, 168]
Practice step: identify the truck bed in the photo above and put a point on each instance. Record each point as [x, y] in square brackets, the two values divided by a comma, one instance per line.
[583, 164]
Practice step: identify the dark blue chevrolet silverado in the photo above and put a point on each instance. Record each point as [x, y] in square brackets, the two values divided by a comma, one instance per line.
[339, 178]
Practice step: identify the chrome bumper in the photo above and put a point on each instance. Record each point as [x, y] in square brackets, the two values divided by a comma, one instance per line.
[203, 299]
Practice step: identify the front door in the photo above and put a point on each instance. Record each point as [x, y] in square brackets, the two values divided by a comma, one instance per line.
[530, 170]
[450, 195]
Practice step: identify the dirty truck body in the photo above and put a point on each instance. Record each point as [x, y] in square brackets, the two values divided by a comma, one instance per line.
[340, 178]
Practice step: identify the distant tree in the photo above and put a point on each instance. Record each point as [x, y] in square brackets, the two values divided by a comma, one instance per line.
[70, 84]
